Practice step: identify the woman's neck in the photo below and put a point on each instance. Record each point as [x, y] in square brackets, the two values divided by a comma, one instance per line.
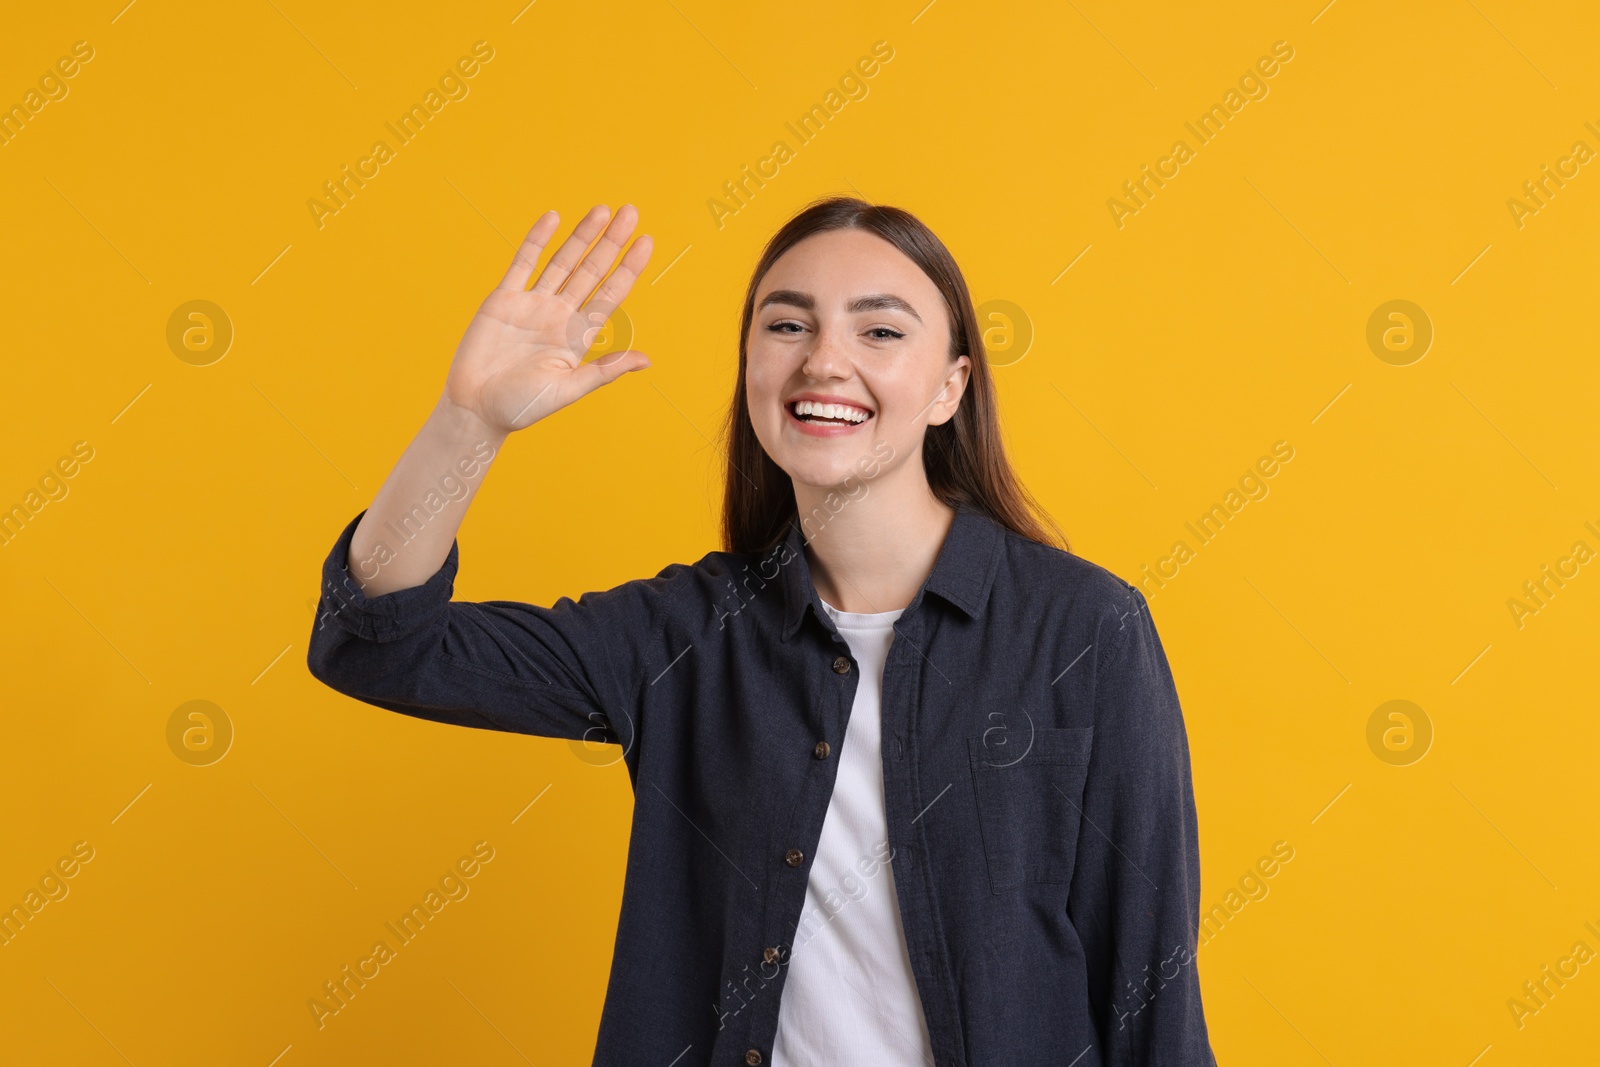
[872, 553]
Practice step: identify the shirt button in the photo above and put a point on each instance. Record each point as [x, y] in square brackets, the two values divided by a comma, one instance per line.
[822, 750]
[753, 1057]
[770, 955]
[793, 857]
[841, 665]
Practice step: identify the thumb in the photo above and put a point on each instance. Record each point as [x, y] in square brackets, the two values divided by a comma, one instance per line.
[609, 367]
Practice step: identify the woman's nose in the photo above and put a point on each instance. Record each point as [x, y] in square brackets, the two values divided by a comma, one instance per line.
[825, 358]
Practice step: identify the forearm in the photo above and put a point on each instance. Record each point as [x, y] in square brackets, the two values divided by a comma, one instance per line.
[406, 534]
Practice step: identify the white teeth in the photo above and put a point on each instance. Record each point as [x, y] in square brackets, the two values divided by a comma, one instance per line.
[831, 411]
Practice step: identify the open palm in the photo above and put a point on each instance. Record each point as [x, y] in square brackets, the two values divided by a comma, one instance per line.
[522, 355]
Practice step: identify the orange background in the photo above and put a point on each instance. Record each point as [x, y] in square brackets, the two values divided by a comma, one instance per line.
[1230, 312]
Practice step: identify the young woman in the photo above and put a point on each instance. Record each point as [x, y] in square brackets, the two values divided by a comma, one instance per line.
[911, 780]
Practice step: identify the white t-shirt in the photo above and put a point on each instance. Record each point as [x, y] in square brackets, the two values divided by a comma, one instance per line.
[850, 998]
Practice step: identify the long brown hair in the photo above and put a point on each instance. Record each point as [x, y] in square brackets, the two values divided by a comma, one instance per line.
[964, 457]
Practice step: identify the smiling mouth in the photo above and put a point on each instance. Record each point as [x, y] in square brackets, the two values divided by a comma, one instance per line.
[828, 414]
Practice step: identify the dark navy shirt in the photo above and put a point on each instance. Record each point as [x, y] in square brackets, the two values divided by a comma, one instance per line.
[1036, 780]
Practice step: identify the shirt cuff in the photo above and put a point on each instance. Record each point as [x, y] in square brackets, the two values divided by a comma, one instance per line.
[391, 616]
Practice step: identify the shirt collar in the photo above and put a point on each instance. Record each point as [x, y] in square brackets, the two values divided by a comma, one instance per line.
[962, 573]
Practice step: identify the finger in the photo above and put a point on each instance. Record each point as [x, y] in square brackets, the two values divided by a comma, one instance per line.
[571, 250]
[616, 287]
[528, 254]
[588, 273]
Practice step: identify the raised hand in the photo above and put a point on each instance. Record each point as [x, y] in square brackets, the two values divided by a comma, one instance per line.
[522, 355]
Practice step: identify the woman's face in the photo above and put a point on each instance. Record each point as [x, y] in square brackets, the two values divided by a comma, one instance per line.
[845, 317]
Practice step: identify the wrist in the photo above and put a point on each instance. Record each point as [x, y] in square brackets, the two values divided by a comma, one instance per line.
[464, 425]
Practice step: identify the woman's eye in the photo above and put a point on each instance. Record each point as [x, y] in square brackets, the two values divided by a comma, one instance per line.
[877, 333]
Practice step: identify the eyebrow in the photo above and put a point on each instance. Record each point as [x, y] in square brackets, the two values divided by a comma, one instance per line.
[871, 302]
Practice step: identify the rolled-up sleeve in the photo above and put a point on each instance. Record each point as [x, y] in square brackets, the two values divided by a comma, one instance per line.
[576, 669]
[1135, 895]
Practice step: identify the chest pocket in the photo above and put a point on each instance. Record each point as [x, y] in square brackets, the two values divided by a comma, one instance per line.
[1029, 799]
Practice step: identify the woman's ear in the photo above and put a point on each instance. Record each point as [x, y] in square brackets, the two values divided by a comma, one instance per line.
[953, 389]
